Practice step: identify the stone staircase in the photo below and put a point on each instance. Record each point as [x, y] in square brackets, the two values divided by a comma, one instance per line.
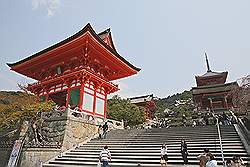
[130, 147]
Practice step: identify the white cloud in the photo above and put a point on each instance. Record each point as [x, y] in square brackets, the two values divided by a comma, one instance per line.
[49, 5]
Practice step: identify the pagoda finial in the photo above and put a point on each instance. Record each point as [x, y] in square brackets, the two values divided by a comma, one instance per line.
[208, 67]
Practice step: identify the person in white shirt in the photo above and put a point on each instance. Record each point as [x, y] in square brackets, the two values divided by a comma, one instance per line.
[105, 157]
[211, 162]
[164, 156]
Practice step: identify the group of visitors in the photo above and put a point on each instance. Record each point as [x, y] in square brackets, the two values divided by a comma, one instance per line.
[206, 159]
[103, 130]
[224, 119]
[164, 155]
[162, 123]
[236, 161]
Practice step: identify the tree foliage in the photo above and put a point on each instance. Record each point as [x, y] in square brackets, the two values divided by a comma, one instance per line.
[241, 94]
[178, 104]
[121, 109]
[15, 107]
[161, 106]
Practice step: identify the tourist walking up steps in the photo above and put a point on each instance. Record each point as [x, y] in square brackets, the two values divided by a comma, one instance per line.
[184, 151]
[164, 155]
[211, 162]
[105, 157]
[100, 131]
[105, 130]
[202, 157]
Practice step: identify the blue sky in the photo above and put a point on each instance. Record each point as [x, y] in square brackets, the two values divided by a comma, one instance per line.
[166, 38]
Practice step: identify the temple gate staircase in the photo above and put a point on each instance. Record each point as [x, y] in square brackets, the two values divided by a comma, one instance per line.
[130, 147]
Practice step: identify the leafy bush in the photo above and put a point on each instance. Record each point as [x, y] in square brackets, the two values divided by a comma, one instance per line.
[121, 109]
[15, 107]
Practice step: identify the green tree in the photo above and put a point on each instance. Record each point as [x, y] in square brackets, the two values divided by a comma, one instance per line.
[15, 107]
[161, 105]
[122, 109]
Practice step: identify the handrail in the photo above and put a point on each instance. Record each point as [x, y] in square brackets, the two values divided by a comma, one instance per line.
[245, 131]
[15, 153]
[219, 133]
[243, 128]
[236, 119]
[18, 146]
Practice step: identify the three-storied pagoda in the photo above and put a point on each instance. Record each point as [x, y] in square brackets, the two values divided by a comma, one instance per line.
[212, 93]
[77, 71]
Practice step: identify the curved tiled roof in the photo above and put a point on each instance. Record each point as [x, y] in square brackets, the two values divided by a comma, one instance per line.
[81, 32]
[214, 88]
[211, 73]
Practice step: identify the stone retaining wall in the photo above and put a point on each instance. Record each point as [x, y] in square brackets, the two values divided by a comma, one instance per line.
[53, 133]
[77, 131]
[65, 133]
[32, 157]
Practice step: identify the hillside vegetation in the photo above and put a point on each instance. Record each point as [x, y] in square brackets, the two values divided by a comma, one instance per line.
[122, 109]
[18, 106]
[178, 104]
[13, 108]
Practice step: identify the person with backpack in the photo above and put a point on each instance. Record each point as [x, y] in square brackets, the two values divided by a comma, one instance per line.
[105, 157]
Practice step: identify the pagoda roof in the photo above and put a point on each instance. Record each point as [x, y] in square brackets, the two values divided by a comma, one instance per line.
[88, 28]
[209, 74]
[214, 88]
[218, 77]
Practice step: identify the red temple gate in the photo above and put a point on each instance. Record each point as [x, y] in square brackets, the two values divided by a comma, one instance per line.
[77, 71]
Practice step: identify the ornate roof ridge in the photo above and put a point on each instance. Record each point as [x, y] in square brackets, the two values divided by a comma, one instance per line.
[89, 28]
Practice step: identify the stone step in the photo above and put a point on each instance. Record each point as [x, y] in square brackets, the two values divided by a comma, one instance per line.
[138, 158]
[176, 132]
[156, 151]
[159, 145]
[171, 139]
[173, 131]
[176, 135]
[130, 147]
[112, 164]
[151, 156]
[122, 162]
[211, 141]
